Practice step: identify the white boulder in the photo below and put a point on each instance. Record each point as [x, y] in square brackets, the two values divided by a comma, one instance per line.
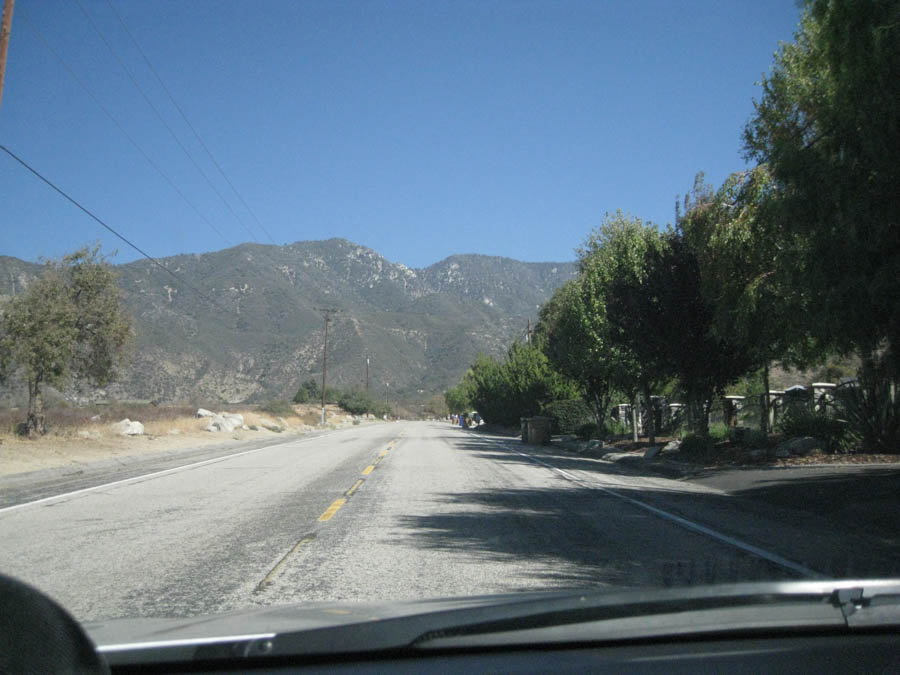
[128, 428]
[221, 423]
[203, 412]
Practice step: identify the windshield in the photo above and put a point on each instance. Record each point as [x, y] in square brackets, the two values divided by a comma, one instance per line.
[367, 302]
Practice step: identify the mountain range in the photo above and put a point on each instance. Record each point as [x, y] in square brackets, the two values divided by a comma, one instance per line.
[246, 323]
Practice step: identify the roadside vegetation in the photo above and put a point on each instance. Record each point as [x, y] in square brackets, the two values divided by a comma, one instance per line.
[794, 263]
[353, 401]
[68, 324]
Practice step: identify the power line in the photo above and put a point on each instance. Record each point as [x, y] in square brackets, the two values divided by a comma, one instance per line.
[187, 121]
[122, 129]
[161, 119]
[84, 209]
[149, 160]
[169, 128]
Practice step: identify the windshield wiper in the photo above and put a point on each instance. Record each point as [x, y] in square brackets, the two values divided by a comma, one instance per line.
[730, 609]
[547, 618]
[864, 606]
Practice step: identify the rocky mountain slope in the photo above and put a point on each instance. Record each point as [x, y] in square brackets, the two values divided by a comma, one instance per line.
[244, 324]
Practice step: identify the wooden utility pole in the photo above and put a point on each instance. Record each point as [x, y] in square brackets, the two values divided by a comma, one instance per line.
[5, 28]
[327, 312]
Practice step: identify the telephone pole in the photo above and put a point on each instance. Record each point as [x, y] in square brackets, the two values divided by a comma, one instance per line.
[367, 374]
[5, 28]
[327, 312]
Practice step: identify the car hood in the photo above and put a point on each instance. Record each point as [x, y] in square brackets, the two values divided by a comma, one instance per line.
[490, 620]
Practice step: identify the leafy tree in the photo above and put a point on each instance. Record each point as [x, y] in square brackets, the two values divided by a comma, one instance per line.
[680, 341]
[745, 277]
[308, 391]
[827, 127]
[631, 309]
[574, 335]
[531, 382]
[488, 389]
[361, 403]
[519, 386]
[459, 398]
[581, 339]
[68, 323]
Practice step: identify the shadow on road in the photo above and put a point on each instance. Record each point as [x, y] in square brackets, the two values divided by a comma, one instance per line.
[839, 526]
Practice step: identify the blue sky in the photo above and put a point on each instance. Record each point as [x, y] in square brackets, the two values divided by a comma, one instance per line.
[420, 129]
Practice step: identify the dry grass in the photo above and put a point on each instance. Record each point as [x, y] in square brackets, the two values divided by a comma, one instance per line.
[80, 435]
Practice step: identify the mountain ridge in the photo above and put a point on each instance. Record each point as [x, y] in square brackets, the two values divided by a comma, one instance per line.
[256, 330]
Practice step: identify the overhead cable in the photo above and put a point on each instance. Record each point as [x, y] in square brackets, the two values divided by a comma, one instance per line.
[125, 133]
[161, 119]
[84, 209]
[188, 122]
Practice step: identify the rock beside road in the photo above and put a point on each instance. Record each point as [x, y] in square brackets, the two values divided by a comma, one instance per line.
[127, 427]
[225, 422]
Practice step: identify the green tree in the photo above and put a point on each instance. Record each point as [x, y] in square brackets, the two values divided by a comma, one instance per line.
[623, 254]
[687, 345]
[519, 386]
[68, 323]
[749, 274]
[827, 127]
[459, 398]
[531, 382]
[579, 337]
[574, 335]
[361, 403]
[309, 391]
[487, 392]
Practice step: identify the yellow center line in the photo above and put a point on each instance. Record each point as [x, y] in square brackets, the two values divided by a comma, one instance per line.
[355, 487]
[368, 470]
[383, 453]
[270, 577]
[338, 503]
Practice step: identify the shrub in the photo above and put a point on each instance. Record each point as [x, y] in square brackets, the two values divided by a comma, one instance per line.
[308, 391]
[360, 403]
[696, 446]
[832, 432]
[277, 406]
[872, 410]
[718, 431]
[750, 438]
[567, 417]
[617, 428]
[589, 430]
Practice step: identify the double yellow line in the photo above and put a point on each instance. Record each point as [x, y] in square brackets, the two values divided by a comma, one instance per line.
[325, 517]
[338, 503]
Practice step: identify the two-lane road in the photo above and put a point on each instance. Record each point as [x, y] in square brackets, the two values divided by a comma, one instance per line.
[382, 512]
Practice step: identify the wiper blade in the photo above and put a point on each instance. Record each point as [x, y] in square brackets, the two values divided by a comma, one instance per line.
[731, 609]
[866, 606]
[557, 617]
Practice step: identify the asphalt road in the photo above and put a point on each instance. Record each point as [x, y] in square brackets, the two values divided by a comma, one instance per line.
[400, 511]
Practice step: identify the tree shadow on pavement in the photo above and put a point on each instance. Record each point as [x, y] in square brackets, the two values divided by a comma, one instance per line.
[576, 534]
[579, 537]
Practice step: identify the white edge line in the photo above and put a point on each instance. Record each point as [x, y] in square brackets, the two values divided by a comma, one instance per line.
[146, 476]
[187, 642]
[689, 524]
